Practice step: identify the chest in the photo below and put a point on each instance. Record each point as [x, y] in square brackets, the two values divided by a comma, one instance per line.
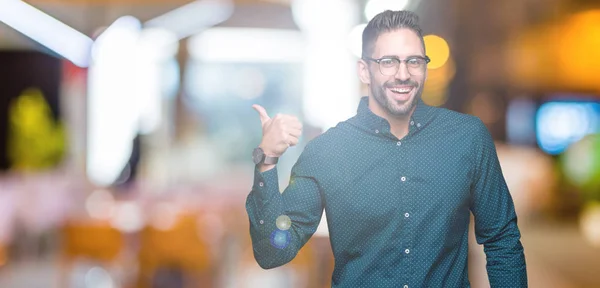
[385, 182]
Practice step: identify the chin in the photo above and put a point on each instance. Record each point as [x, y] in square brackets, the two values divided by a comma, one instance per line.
[401, 108]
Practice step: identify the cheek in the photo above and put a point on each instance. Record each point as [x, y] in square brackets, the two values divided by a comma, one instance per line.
[420, 79]
[379, 80]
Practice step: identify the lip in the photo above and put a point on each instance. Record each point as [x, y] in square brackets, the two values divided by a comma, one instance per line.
[401, 86]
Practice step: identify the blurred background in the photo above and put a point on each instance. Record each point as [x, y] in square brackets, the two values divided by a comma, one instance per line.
[126, 129]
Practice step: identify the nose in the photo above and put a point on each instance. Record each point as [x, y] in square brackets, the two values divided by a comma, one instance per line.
[402, 73]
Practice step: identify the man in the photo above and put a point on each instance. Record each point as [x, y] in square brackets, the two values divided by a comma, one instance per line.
[397, 181]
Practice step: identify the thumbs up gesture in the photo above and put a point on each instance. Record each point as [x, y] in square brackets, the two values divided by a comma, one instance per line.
[279, 132]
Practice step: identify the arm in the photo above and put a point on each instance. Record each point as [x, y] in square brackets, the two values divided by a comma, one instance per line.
[495, 218]
[301, 202]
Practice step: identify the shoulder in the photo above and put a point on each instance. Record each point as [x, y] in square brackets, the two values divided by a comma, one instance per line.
[325, 141]
[471, 124]
[463, 120]
[321, 150]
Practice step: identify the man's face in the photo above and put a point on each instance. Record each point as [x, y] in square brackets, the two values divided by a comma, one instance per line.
[395, 94]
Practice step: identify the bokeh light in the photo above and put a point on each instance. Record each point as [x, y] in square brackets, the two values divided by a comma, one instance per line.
[283, 222]
[100, 204]
[127, 217]
[164, 216]
[98, 277]
[280, 238]
[589, 223]
[572, 54]
[579, 35]
[561, 123]
[581, 164]
[437, 49]
[375, 7]
[355, 40]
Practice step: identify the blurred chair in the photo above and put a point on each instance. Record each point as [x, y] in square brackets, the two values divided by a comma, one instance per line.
[94, 241]
[176, 256]
[306, 264]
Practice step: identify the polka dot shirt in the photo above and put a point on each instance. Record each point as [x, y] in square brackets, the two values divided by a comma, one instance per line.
[398, 210]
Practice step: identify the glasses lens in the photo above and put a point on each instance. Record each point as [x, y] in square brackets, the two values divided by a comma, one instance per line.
[388, 66]
[416, 66]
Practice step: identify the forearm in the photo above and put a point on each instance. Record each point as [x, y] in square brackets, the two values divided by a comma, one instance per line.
[495, 217]
[505, 258]
[272, 247]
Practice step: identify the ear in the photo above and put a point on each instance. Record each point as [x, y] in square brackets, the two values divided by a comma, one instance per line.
[363, 72]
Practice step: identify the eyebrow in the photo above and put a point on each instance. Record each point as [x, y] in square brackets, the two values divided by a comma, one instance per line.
[394, 56]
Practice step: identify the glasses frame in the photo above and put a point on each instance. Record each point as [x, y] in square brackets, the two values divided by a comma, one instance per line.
[378, 61]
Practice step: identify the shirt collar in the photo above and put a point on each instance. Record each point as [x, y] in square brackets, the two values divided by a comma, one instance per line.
[366, 118]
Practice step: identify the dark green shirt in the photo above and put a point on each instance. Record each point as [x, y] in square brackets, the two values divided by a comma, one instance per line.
[397, 209]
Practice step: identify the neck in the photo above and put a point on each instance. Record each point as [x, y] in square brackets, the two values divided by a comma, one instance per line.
[398, 124]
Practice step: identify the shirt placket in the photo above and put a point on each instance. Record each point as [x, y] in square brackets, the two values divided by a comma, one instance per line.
[406, 213]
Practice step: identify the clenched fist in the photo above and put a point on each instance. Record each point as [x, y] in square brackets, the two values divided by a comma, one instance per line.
[279, 132]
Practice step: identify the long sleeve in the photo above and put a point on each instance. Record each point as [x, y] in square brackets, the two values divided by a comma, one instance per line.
[495, 217]
[301, 202]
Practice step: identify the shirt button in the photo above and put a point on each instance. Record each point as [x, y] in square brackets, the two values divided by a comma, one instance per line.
[403, 178]
[261, 222]
[405, 286]
[406, 215]
[412, 122]
[398, 143]
[418, 124]
[261, 184]
[376, 131]
[406, 251]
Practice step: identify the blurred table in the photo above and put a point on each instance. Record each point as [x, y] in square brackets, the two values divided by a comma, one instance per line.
[558, 256]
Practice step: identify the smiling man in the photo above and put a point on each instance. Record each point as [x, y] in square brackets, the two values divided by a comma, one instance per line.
[398, 181]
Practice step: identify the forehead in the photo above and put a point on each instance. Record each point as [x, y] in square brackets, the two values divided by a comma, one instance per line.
[401, 43]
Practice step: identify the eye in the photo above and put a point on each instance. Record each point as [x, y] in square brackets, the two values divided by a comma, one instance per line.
[388, 62]
[415, 62]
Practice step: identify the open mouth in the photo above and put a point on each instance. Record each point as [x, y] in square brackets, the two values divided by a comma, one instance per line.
[401, 90]
[400, 93]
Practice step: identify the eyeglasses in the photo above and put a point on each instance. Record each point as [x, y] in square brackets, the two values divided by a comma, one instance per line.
[389, 66]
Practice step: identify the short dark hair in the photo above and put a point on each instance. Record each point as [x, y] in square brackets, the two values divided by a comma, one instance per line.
[388, 21]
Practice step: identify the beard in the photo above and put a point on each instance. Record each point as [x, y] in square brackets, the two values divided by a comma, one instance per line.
[391, 106]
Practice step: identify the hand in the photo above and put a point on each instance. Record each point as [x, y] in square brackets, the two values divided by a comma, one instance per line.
[279, 132]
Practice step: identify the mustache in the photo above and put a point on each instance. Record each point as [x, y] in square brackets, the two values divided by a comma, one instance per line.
[401, 83]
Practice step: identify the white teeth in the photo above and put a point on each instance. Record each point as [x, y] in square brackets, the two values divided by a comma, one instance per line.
[401, 90]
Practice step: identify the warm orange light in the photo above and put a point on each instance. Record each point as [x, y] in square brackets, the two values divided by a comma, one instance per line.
[2, 255]
[578, 50]
[436, 88]
[437, 49]
[558, 56]
[589, 223]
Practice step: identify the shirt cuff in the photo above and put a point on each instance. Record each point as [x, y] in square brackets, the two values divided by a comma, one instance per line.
[266, 184]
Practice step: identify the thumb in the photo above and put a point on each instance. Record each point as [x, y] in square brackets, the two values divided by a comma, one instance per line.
[264, 117]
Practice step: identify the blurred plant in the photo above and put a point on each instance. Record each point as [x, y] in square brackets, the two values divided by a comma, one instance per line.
[35, 141]
[581, 166]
